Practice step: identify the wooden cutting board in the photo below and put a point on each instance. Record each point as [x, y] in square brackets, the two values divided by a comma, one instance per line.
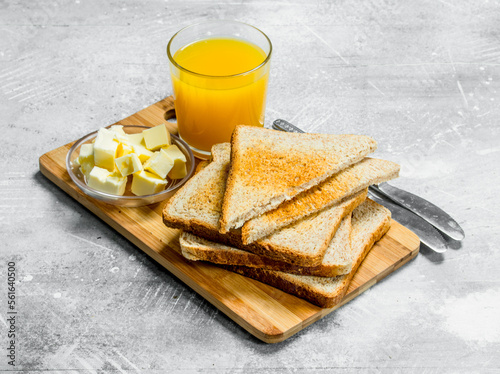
[266, 312]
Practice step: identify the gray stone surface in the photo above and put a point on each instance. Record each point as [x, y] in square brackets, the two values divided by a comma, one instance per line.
[422, 77]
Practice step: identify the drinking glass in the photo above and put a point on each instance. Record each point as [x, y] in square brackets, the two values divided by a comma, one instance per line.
[220, 72]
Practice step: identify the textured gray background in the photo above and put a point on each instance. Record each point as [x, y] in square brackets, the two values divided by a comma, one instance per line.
[421, 77]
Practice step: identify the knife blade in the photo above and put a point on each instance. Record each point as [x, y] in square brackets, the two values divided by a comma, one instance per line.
[425, 231]
[423, 208]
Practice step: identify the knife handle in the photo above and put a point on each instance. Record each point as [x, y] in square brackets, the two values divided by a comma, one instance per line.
[282, 125]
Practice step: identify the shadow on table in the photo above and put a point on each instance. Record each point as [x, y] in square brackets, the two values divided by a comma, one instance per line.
[435, 257]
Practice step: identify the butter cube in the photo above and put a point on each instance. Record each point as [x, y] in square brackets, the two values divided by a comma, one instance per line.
[86, 153]
[86, 158]
[118, 129]
[146, 183]
[120, 134]
[160, 164]
[179, 169]
[104, 133]
[156, 137]
[86, 168]
[128, 164]
[136, 138]
[105, 181]
[141, 152]
[105, 149]
[124, 149]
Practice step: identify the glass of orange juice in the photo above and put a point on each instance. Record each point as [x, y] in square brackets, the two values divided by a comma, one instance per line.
[219, 72]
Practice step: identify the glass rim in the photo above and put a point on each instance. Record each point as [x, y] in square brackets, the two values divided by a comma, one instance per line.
[180, 67]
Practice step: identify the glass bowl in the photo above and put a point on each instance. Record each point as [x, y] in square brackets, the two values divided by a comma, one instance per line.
[128, 199]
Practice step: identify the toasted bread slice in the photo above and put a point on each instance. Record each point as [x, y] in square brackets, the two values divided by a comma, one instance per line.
[337, 259]
[345, 183]
[370, 222]
[197, 206]
[269, 167]
[201, 165]
[305, 242]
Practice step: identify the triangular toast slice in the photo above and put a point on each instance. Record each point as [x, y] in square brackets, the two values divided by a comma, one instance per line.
[269, 167]
[345, 183]
[196, 207]
[337, 259]
[370, 222]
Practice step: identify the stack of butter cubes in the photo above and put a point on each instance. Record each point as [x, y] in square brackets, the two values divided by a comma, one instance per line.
[149, 157]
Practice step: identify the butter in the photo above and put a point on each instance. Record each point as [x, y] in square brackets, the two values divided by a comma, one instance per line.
[105, 181]
[179, 170]
[86, 158]
[120, 135]
[137, 138]
[141, 152]
[124, 149]
[105, 149]
[146, 183]
[128, 164]
[147, 156]
[118, 129]
[86, 153]
[160, 164]
[156, 137]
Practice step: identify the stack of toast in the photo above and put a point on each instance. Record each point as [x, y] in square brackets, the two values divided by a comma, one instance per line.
[287, 209]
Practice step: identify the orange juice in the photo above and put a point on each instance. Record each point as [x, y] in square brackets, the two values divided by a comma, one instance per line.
[218, 83]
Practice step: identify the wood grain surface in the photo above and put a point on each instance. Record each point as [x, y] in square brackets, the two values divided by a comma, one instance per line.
[268, 313]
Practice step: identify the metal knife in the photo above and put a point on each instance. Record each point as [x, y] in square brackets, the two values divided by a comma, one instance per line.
[425, 231]
[423, 208]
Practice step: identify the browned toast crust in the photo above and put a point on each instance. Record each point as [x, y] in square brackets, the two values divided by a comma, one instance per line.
[269, 167]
